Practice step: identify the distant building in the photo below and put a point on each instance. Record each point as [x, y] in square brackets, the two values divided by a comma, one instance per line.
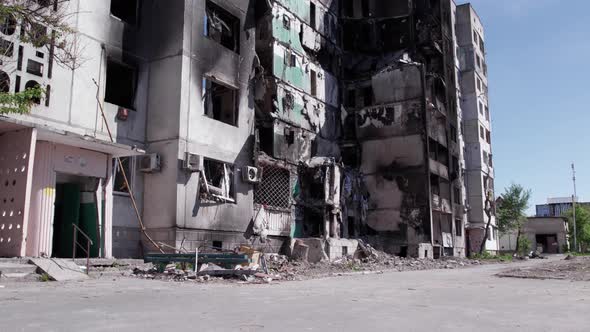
[546, 234]
[557, 207]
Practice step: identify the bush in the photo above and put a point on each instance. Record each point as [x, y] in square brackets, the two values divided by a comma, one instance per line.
[524, 246]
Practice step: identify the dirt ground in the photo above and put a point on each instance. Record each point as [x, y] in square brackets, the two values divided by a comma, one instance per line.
[573, 268]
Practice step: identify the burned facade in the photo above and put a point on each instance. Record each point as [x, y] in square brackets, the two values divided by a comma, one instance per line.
[276, 123]
[401, 116]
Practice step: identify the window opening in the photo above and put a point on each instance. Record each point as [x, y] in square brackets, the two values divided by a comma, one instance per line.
[222, 27]
[220, 102]
[120, 84]
[217, 181]
[125, 10]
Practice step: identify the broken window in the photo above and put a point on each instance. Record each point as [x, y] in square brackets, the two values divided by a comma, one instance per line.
[480, 108]
[475, 37]
[456, 195]
[479, 84]
[125, 10]
[481, 46]
[120, 84]
[220, 102]
[481, 132]
[485, 158]
[458, 227]
[119, 185]
[348, 8]
[290, 59]
[488, 137]
[365, 8]
[478, 59]
[222, 27]
[367, 96]
[273, 189]
[434, 185]
[487, 113]
[313, 77]
[217, 180]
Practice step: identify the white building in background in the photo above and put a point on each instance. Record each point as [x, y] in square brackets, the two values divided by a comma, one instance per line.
[476, 126]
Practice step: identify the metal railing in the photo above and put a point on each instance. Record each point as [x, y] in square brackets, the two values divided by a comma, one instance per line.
[76, 244]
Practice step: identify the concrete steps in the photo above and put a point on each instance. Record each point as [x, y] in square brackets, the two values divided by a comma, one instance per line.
[16, 269]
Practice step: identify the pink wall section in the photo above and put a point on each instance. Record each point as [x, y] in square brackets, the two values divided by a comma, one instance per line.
[50, 159]
[17, 150]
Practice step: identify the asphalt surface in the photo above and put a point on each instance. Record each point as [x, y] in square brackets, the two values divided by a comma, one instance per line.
[470, 299]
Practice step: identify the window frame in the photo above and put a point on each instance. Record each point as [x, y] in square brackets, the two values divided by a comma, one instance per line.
[236, 101]
[130, 175]
[232, 191]
[135, 69]
[136, 23]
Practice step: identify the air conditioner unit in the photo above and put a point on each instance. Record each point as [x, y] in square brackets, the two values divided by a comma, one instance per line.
[149, 163]
[191, 162]
[251, 174]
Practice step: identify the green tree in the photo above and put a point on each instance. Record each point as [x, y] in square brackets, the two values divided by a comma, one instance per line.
[44, 25]
[582, 226]
[511, 213]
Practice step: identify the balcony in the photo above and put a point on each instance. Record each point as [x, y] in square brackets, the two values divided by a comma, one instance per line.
[439, 169]
[441, 204]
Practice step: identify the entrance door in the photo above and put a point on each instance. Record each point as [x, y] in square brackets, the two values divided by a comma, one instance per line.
[75, 204]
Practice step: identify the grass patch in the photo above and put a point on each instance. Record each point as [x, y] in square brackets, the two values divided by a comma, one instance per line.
[44, 277]
[487, 256]
[579, 254]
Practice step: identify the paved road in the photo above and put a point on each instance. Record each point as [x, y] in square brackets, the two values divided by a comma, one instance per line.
[444, 300]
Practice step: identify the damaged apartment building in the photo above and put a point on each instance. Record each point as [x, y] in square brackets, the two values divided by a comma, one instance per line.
[277, 123]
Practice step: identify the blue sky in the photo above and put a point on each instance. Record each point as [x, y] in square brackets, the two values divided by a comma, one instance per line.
[538, 54]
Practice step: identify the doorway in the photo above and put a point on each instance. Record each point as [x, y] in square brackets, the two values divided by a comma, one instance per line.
[75, 204]
[548, 243]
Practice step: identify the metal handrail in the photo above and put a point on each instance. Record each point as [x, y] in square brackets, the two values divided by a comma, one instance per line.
[89, 242]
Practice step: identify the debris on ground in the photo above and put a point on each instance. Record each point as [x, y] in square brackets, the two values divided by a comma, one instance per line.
[267, 268]
[577, 269]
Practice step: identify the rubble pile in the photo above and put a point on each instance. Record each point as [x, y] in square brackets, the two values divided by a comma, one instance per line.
[365, 260]
[267, 268]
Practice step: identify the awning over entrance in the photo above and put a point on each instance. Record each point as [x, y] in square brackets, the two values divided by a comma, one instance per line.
[71, 139]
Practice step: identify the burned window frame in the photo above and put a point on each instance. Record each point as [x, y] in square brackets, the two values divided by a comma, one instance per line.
[313, 82]
[227, 21]
[133, 70]
[207, 99]
[207, 182]
[127, 18]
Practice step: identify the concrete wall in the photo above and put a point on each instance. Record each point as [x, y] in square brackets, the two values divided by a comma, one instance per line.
[179, 125]
[538, 226]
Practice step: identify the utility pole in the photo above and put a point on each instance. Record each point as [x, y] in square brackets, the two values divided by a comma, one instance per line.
[574, 208]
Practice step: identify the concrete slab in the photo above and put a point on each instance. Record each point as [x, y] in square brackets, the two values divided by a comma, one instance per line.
[7, 269]
[60, 269]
